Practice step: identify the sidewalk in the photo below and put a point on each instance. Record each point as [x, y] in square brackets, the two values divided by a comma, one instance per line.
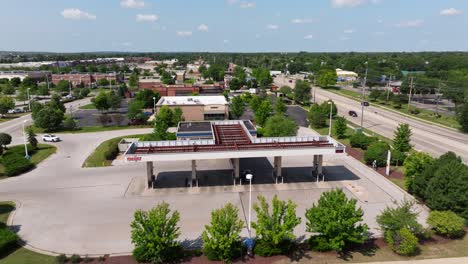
[428, 261]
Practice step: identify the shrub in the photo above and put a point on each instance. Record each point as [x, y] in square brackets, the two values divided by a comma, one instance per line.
[15, 164]
[8, 239]
[403, 242]
[402, 216]
[263, 248]
[69, 123]
[75, 258]
[359, 140]
[377, 151]
[446, 223]
[61, 259]
[111, 152]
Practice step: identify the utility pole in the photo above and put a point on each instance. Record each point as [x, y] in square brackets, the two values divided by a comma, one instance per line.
[388, 88]
[410, 92]
[362, 95]
[315, 88]
[438, 98]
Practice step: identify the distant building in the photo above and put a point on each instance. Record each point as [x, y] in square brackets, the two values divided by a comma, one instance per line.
[179, 89]
[197, 108]
[35, 75]
[346, 76]
[86, 79]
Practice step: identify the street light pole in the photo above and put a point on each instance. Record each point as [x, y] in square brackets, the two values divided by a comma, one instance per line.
[25, 141]
[154, 104]
[362, 96]
[29, 99]
[331, 113]
[249, 177]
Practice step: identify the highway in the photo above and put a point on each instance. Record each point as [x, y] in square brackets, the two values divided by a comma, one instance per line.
[432, 139]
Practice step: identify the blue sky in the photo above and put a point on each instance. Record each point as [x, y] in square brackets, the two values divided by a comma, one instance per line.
[233, 25]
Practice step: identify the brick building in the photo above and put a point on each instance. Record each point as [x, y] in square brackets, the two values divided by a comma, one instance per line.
[86, 78]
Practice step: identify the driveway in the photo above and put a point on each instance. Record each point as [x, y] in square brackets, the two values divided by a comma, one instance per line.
[63, 208]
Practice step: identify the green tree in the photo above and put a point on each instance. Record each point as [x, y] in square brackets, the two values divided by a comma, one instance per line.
[302, 92]
[337, 221]
[286, 90]
[402, 242]
[5, 139]
[263, 112]
[160, 129]
[263, 77]
[166, 115]
[216, 72]
[147, 96]
[177, 116]
[49, 118]
[56, 103]
[326, 78]
[414, 165]
[240, 74]
[101, 102]
[462, 117]
[221, 239]
[235, 84]
[275, 228]
[325, 108]
[237, 106]
[280, 126]
[133, 81]
[8, 89]
[402, 138]
[317, 118]
[62, 86]
[167, 78]
[254, 103]
[32, 140]
[155, 234]
[22, 94]
[6, 104]
[15, 81]
[135, 110]
[341, 125]
[374, 95]
[377, 151]
[280, 106]
[103, 82]
[113, 100]
[69, 123]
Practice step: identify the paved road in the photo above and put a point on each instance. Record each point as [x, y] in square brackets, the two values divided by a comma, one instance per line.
[14, 127]
[426, 137]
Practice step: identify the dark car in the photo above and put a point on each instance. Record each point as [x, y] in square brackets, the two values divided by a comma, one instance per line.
[352, 113]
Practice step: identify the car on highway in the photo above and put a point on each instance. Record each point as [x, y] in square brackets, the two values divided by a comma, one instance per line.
[16, 111]
[352, 113]
[50, 138]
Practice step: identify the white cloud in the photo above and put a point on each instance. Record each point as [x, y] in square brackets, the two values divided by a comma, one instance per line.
[272, 27]
[302, 21]
[232, 2]
[247, 5]
[146, 18]
[226, 41]
[343, 38]
[132, 3]
[203, 28]
[450, 12]
[77, 14]
[309, 36]
[184, 33]
[347, 3]
[349, 31]
[410, 23]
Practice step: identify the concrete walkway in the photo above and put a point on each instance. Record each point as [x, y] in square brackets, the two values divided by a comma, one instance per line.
[463, 260]
[63, 208]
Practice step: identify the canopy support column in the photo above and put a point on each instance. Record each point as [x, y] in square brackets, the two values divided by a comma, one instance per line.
[194, 181]
[149, 174]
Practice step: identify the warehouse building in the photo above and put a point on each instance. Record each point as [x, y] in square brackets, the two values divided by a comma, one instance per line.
[197, 108]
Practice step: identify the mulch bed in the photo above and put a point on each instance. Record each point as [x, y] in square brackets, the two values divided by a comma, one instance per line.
[359, 155]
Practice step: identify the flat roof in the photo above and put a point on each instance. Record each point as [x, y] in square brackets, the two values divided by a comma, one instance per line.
[202, 126]
[192, 100]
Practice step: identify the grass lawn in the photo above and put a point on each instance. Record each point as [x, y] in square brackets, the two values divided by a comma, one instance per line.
[42, 152]
[98, 157]
[88, 106]
[424, 114]
[91, 129]
[20, 255]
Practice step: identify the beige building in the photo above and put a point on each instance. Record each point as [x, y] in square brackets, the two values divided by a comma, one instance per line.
[197, 108]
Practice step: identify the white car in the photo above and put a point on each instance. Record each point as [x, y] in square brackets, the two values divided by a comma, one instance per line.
[50, 138]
